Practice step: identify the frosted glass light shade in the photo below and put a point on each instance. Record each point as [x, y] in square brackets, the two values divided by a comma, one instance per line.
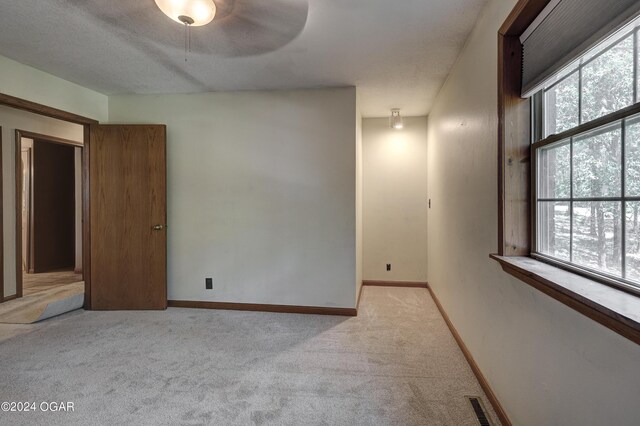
[200, 11]
[395, 121]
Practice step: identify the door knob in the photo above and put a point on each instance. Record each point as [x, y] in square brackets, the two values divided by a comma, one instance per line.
[158, 227]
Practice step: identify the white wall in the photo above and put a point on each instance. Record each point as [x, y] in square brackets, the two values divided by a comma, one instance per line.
[261, 193]
[37, 86]
[10, 120]
[395, 200]
[548, 364]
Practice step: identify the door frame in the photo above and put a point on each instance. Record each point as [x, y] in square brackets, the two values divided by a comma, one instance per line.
[28, 261]
[19, 134]
[2, 298]
[40, 109]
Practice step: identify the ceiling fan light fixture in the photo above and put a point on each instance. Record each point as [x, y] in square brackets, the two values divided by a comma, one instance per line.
[194, 13]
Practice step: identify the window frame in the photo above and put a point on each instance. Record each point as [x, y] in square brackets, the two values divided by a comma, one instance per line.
[620, 116]
[607, 305]
[539, 141]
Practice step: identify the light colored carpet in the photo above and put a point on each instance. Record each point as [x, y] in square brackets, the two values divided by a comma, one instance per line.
[394, 364]
[43, 304]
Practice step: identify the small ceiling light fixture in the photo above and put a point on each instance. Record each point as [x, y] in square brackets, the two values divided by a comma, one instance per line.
[395, 121]
[190, 13]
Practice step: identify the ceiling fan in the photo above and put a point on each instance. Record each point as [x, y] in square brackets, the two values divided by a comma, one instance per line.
[239, 27]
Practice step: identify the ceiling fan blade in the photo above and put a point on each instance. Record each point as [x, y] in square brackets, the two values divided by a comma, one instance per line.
[252, 27]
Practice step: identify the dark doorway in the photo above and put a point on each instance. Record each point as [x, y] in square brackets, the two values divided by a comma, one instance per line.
[53, 209]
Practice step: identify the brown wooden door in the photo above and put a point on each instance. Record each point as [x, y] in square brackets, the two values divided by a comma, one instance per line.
[127, 173]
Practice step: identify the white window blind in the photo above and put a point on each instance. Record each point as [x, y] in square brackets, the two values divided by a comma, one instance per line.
[564, 31]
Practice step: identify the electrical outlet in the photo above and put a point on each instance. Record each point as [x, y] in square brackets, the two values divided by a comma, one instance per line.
[208, 283]
[388, 266]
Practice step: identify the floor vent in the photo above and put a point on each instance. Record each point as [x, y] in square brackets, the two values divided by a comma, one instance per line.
[476, 404]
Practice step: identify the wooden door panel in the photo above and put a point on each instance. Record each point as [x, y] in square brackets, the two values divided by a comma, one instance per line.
[128, 198]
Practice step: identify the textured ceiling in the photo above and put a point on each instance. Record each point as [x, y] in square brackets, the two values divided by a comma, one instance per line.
[398, 52]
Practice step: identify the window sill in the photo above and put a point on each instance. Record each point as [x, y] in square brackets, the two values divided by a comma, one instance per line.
[613, 308]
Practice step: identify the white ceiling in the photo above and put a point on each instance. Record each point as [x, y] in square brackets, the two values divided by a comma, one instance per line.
[397, 52]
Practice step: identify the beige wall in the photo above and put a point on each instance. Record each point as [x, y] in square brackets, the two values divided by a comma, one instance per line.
[395, 200]
[37, 86]
[10, 120]
[548, 364]
[261, 193]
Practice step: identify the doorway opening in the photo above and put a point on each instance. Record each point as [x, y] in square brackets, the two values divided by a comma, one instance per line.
[16, 113]
[49, 255]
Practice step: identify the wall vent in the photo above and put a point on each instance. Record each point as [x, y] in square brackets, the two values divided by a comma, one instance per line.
[476, 404]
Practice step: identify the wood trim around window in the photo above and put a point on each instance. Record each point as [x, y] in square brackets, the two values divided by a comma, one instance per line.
[514, 134]
[609, 306]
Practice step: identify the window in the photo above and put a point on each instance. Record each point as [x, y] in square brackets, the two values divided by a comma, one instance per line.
[586, 151]
[549, 125]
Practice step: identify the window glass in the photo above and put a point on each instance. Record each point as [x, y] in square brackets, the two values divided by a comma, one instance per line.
[562, 105]
[633, 241]
[632, 157]
[597, 235]
[607, 81]
[554, 229]
[554, 171]
[597, 163]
